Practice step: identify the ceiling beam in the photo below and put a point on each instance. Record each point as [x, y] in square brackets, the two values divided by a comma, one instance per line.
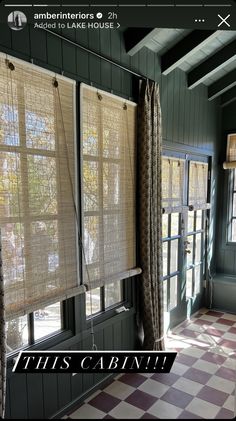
[212, 65]
[228, 97]
[222, 85]
[136, 38]
[185, 48]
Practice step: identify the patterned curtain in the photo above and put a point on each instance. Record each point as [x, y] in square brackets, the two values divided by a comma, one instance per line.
[150, 215]
[2, 341]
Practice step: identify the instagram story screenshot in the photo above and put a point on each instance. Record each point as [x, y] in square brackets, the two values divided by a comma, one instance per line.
[118, 209]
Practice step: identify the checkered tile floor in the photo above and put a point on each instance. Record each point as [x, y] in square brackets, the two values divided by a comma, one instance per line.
[201, 383]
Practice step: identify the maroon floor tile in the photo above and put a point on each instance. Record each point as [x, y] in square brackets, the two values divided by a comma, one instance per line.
[148, 416]
[228, 344]
[186, 359]
[177, 397]
[214, 332]
[232, 330]
[134, 380]
[225, 322]
[165, 378]
[202, 322]
[211, 357]
[212, 395]
[224, 414]
[104, 402]
[141, 400]
[226, 373]
[189, 333]
[214, 313]
[198, 376]
[186, 415]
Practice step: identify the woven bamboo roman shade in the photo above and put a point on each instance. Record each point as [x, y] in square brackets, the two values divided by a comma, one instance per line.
[108, 125]
[230, 162]
[198, 181]
[37, 173]
[172, 184]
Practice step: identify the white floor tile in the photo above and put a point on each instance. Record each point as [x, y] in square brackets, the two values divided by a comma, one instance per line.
[202, 408]
[209, 318]
[229, 403]
[229, 336]
[219, 326]
[119, 390]
[193, 352]
[179, 368]
[206, 366]
[163, 410]
[221, 384]
[229, 317]
[154, 388]
[188, 386]
[87, 411]
[126, 411]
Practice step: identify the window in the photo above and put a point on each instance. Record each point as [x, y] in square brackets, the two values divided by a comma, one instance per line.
[108, 194]
[104, 298]
[37, 177]
[232, 207]
[26, 330]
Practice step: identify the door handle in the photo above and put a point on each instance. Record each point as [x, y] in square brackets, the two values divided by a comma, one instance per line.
[187, 251]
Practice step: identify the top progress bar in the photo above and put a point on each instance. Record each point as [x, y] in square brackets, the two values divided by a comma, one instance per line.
[118, 5]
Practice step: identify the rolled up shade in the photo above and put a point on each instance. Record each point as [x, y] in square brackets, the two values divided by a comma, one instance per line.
[108, 130]
[198, 183]
[172, 184]
[37, 178]
[230, 162]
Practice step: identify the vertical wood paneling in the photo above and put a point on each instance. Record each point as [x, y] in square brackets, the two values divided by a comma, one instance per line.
[5, 35]
[94, 62]
[106, 71]
[54, 51]
[38, 44]
[50, 395]
[64, 389]
[35, 395]
[19, 396]
[21, 41]
[115, 54]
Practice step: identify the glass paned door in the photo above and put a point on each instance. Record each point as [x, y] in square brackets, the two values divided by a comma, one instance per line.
[184, 236]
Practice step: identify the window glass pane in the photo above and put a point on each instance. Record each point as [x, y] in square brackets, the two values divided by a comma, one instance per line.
[47, 320]
[165, 295]
[189, 283]
[199, 220]
[190, 248]
[10, 184]
[174, 255]
[9, 122]
[90, 185]
[165, 258]
[173, 292]
[234, 230]
[16, 333]
[93, 301]
[191, 221]
[198, 248]
[113, 294]
[197, 279]
[165, 225]
[198, 179]
[234, 205]
[174, 224]
[42, 180]
[39, 119]
[234, 179]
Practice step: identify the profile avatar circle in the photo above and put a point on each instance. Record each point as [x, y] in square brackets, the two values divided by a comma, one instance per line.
[17, 20]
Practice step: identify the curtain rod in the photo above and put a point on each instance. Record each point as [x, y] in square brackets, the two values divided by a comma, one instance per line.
[94, 53]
